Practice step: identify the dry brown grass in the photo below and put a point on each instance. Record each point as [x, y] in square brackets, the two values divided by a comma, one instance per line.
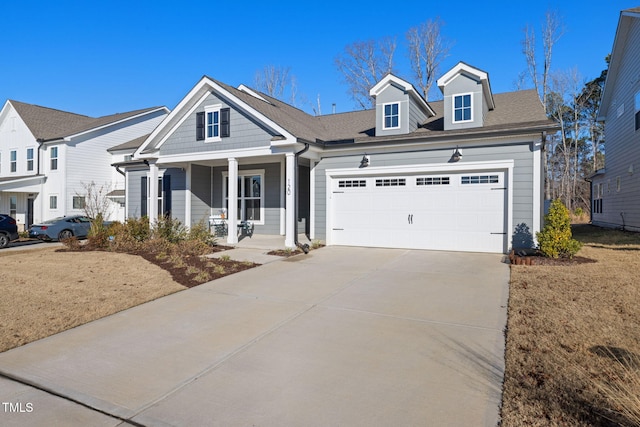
[573, 337]
[45, 292]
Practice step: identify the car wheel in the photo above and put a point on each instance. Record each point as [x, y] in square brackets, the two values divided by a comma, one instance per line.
[4, 240]
[65, 234]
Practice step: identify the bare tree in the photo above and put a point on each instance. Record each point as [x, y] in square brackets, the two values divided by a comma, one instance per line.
[273, 79]
[551, 33]
[96, 203]
[363, 64]
[427, 50]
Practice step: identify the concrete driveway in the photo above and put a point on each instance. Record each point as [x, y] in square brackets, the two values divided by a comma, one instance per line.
[342, 336]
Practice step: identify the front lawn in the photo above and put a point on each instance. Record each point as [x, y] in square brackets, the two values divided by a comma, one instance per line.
[573, 337]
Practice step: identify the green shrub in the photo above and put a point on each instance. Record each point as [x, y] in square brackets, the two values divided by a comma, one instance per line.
[555, 239]
[138, 228]
[200, 232]
[578, 212]
[170, 229]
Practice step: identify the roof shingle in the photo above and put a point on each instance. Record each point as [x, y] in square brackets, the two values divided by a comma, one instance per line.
[47, 123]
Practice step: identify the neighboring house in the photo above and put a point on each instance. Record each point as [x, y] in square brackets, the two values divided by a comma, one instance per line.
[615, 190]
[47, 157]
[463, 174]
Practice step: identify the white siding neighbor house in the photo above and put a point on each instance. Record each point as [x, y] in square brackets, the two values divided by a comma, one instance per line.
[48, 157]
[462, 174]
[615, 190]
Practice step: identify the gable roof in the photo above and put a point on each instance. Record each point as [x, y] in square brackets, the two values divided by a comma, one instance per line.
[619, 43]
[130, 145]
[519, 111]
[473, 72]
[403, 85]
[47, 124]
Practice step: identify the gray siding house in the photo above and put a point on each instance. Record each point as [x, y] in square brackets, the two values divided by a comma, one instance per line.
[463, 174]
[615, 190]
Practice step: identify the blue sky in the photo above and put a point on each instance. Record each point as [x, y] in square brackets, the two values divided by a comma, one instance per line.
[99, 58]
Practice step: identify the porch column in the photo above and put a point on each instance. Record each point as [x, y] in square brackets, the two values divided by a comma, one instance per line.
[290, 190]
[232, 213]
[312, 200]
[187, 196]
[153, 193]
[283, 211]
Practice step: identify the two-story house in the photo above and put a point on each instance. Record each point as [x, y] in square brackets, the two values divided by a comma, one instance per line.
[48, 157]
[615, 190]
[462, 174]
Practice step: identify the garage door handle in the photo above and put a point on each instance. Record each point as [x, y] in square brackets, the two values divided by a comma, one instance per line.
[410, 219]
[498, 233]
[339, 229]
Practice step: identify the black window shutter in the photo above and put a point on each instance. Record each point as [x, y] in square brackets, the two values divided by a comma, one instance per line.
[225, 122]
[166, 189]
[143, 197]
[200, 126]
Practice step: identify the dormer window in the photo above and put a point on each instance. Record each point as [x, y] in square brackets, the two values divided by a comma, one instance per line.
[462, 108]
[391, 114]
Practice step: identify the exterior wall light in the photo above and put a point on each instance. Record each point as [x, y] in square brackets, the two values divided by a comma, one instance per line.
[364, 162]
[456, 156]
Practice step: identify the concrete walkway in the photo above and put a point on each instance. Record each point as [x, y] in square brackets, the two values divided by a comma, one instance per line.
[342, 336]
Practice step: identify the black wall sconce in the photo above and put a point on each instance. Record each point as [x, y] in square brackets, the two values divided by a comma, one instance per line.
[364, 162]
[456, 156]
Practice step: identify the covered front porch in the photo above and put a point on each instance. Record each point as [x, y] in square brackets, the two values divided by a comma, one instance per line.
[19, 199]
[260, 192]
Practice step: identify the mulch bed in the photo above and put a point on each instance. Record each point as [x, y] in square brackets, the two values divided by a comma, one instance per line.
[215, 267]
[535, 257]
[193, 270]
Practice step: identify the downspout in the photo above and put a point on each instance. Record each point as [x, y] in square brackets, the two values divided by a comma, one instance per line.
[120, 171]
[40, 144]
[304, 247]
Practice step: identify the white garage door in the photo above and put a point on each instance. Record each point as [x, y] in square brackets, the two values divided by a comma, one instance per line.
[445, 211]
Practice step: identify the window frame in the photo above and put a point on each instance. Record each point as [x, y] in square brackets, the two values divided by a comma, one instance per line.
[391, 115]
[79, 198]
[242, 175]
[13, 161]
[13, 206]
[53, 202]
[30, 156]
[462, 108]
[53, 157]
[212, 129]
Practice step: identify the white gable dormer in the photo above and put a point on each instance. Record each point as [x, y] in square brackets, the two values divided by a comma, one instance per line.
[467, 97]
[400, 109]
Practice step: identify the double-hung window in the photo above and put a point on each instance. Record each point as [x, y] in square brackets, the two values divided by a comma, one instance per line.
[13, 206]
[213, 123]
[462, 108]
[29, 159]
[14, 161]
[54, 158]
[391, 116]
[250, 195]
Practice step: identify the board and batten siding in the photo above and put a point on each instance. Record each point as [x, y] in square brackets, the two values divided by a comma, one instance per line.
[523, 174]
[622, 143]
[244, 133]
[87, 159]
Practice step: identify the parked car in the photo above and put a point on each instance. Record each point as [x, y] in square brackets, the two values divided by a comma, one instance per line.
[61, 228]
[8, 230]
